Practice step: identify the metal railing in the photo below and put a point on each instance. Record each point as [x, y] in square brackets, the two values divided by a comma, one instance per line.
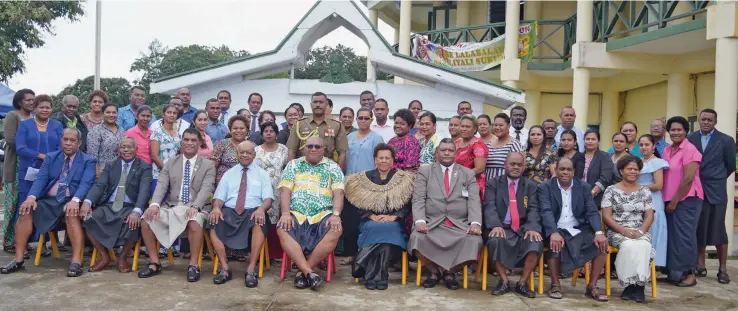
[638, 16]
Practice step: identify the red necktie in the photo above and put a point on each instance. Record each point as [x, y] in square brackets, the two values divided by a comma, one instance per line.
[514, 216]
[241, 199]
[447, 184]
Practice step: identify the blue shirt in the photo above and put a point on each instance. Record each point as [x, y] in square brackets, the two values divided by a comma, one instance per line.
[360, 155]
[661, 146]
[580, 137]
[187, 115]
[216, 131]
[259, 187]
[706, 139]
[127, 118]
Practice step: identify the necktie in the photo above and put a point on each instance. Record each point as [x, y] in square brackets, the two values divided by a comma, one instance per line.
[61, 191]
[517, 135]
[186, 183]
[241, 199]
[447, 184]
[121, 192]
[222, 116]
[514, 216]
[253, 124]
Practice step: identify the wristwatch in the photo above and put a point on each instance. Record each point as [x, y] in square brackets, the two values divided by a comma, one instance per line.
[336, 214]
[599, 232]
[76, 199]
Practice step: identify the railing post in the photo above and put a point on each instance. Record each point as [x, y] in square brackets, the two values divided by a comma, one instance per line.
[406, 8]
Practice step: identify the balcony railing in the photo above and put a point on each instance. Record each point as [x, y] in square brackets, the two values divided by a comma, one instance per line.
[622, 18]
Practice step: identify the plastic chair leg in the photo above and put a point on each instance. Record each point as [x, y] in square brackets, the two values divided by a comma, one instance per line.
[136, 254]
[209, 244]
[531, 282]
[266, 253]
[540, 275]
[199, 255]
[111, 253]
[261, 261]
[39, 250]
[170, 256]
[285, 264]
[93, 259]
[587, 272]
[607, 275]
[331, 267]
[485, 263]
[575, 276]
[653, 278]
[54, 245]
[479, 259]
[418, 273]
[466, 276]
[404, 268]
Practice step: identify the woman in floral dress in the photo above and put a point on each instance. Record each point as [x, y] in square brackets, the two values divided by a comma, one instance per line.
[103, 141]
[272, 157]
[165, 141]
[471, 151]
[540, 162]
[428, 139]
[406, 145]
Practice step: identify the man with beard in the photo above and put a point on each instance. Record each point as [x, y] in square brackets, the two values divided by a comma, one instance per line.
[127, 114]
[187, 110]
[518, 115]
[321, 125]
[382, 124]
[69, 118]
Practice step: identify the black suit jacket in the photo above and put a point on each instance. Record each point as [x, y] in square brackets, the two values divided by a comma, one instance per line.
[583, 206]
[600, 171]
[497, 203]
[81, 127]
[718, 162]
[138, 183]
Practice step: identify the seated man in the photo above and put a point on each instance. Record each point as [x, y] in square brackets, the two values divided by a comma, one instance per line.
[241, 201]
[571, 223]
[311, 204]
[511, 213]
[448, 217]
[189, 180]
[62, 183]
[116, 216]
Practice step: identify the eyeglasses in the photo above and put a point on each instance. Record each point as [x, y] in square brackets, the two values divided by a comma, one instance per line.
[312, 146]
[363, 118]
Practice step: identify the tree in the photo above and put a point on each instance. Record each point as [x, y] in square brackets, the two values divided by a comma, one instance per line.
[22, 24]
[117, 89]
[318, 64]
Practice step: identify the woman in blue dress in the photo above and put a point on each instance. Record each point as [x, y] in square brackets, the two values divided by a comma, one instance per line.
[382, 198]
[652, 176]
[361, 143]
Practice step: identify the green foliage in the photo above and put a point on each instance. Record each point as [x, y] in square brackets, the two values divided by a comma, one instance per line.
[117, 89]
[318, 64]
[22, 25]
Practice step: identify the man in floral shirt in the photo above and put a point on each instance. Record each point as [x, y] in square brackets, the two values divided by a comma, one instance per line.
[311, 203]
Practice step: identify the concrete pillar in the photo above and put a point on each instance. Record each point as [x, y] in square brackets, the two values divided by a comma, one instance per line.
[462, 13]
[610, 122]
[406, 8]
[533, 106]
[533, 12]
[371, 74]
[580, 92]
[677, 95]
[510, 67]
[397, 36]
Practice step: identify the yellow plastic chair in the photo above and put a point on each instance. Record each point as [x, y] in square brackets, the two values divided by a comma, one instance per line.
[111, 252]
[613, 250]
[137, 253]
[404, 269]
[575, 274]
[420, 268]
[263, 259]
[40, 248]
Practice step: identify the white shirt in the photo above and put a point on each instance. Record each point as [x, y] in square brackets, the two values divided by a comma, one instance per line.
[523, 136]
[185, 173]
[387, 131]
[580, 137]
[180, 124]
[567, 221]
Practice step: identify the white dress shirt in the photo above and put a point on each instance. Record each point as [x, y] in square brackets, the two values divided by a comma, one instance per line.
[387, 131]
[523, 136]
[567, 221]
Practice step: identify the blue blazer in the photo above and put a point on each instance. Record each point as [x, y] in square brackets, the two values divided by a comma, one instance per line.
[28, 144]
[82, 174]
[718, 162]
[582, 205]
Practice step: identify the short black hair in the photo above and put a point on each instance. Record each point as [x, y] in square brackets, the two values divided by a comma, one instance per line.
[428, 114]
[225, 91]
[266, 112]
[445, 141]
[461, 103]
[631, 123]
[318, 94]
[383, 146]
[109, 105]
[136, 87]
[212, 100]
[627, 159]
[525, 112]
[406, 115]
[192, 131]
[330, 102]
[484, 116]
[242, 110]
[382, 100]
[299, 107]
[562, 158]
[549, 121]
[678, 119]
[248, 100]
[415, 101]
[366, 92]
[269, 124]
[653, 142]
[503, 116]
[592, 131]
[367, 109]
[709, 110]
[346, 108]
[18, 97]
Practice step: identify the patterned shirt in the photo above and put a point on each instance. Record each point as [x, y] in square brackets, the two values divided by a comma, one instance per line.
[407, 150]
[312, 188]
[427, 149]
[661, 146]
[127, 118]
[168, 147]
[226, 155]
[102, 144]
[496, 158]
[90, 123]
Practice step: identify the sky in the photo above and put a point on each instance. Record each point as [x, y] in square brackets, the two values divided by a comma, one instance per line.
[129, 26]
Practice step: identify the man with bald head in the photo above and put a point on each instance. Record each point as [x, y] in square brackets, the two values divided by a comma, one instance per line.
[311, 204]
[568, 117]
[113, 207]
[69, 118]
[514, 225]
[187, 110]
[240, 205]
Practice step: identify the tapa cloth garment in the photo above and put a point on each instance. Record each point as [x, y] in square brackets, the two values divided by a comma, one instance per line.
[172, 223]
[512, 249]
[446, 246]
[109, 227]
[234, 230]
[578, 250]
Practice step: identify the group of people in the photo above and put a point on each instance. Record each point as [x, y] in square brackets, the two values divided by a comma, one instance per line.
[380, 184]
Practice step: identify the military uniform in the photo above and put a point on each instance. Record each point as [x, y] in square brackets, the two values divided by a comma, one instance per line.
[331, 131]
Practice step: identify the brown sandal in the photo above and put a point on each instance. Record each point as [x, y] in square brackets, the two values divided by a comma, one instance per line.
[594, 293]
[555, 292]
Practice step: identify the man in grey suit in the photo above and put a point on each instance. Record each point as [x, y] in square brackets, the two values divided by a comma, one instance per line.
[119, 197]
[189, 180]
[448, 217]
[718, 162]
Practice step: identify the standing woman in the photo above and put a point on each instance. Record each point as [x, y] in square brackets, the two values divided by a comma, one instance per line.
[225, 154]
[598, 168]
[264, 117]
[165, 141]
[24, 105]
[416, 107]
[141, 133]
[292, 114]
[272, 157]
[620, 149]
[361, 144]
[484, 128]
[103, 141]
[683, 198]
[428, 139]
[36, 137]
[569, 147]
[347, 119]
[500, 148]
[200, 123]
[630, 130]
[94, 118]
[652, 176]
[407, 148]
[471, 151]
[540, 162]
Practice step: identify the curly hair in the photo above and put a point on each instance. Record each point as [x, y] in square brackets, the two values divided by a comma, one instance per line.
[406, 115]
[99, 93]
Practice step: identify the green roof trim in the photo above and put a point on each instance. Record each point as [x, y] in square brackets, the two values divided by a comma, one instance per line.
[550, 66]
[656, 34]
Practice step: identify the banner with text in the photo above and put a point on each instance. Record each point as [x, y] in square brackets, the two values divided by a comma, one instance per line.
[480, 56]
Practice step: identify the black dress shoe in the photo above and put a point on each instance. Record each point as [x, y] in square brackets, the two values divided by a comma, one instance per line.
[75, 270]
[430, 282]
[523, 290]
[382, 285]
[628, 293]
[370, 285]
[301, 281]
[148, 272]
[315, 281]
[639, 294]
[193, 274]
[12, 267]
[223, 276]
[251, 280]
[450, 281]
[501, 289]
